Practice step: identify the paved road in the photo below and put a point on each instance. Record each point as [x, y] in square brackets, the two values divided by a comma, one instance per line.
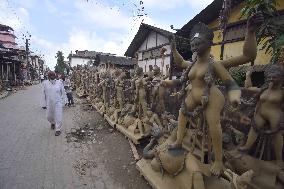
[30, 155]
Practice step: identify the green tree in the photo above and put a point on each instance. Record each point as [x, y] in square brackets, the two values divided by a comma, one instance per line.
[60, 65]
[271, 33]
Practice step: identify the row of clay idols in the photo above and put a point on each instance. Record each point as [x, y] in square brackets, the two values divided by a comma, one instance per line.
[200, 92]
[124, 100]
[126, 117]
[202, 73]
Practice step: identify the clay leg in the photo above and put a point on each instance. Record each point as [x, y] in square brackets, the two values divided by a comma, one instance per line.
[116, 117]
[152, 97]
[277, 139]
[155, 165]
[104, 96]
[162, 99]
[180, 132]
[157, 120]
[252, 136]
[182, 120]
[198, 182]
[144, 107]
[115, 102]
[212, 113]
[140, 127]
[120, 103]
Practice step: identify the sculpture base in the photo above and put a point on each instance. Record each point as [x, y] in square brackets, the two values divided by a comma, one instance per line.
[110, 121]
[135, 138]
[88, 99]
[182, 181]
[81, 94]
[93, 105]
[98, 110]
[187, 145]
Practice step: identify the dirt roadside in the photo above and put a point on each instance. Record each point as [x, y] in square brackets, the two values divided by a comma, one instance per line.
[104, 159]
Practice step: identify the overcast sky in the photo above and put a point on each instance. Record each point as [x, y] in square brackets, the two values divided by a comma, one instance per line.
[100, 25]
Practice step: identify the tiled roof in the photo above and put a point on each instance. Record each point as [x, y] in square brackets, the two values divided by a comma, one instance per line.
[87, 54]
[2, 46]
[141, 35]
[207, 15]
[5, 28]
[122, 61]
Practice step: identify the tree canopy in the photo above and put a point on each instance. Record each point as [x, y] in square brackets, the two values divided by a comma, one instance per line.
[60, 65]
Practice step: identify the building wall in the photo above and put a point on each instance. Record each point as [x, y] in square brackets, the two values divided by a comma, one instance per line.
[153, 40]
[74, 61]
[235, 49]
[158, 61]
[161, 39]
[7, 39]
[216, 51]
[143, 46]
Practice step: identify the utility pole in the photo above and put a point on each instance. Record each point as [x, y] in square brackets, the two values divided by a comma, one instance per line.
[27, 57]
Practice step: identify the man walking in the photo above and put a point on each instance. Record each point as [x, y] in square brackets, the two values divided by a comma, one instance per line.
[54, 92]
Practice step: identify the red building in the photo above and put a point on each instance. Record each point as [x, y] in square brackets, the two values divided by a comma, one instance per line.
[11, 56]
[7, 37]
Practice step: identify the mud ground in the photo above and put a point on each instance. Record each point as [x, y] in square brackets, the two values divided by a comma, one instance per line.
[102, 148]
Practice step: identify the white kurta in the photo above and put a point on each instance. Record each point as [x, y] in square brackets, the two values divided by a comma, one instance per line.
[43, 97]
[54, 99]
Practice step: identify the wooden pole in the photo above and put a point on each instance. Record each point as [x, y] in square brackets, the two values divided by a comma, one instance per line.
[2, 70]
[7, 72]
[15, 77]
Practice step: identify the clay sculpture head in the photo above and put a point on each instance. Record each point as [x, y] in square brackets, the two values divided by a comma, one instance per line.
[201, 38]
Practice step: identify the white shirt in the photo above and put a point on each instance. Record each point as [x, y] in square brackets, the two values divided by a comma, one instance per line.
[54, 92]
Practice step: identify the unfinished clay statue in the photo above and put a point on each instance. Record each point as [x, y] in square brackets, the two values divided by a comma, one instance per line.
[167, 75]
[158, 92]
[268, 111]
[150, 73]
[202, 74]
[126, 117]
[265, 174]
[119, 85]
[140, 93]
[168, 121]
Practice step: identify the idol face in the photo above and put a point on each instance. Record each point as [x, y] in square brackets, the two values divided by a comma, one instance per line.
[156, 71]
[139, 71]
[199, 45]
[275, 77]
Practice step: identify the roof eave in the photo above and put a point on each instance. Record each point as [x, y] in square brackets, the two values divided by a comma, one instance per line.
[133, 47]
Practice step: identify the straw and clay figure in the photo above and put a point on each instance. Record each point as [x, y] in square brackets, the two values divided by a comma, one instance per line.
[202, 74]
[268, 111]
